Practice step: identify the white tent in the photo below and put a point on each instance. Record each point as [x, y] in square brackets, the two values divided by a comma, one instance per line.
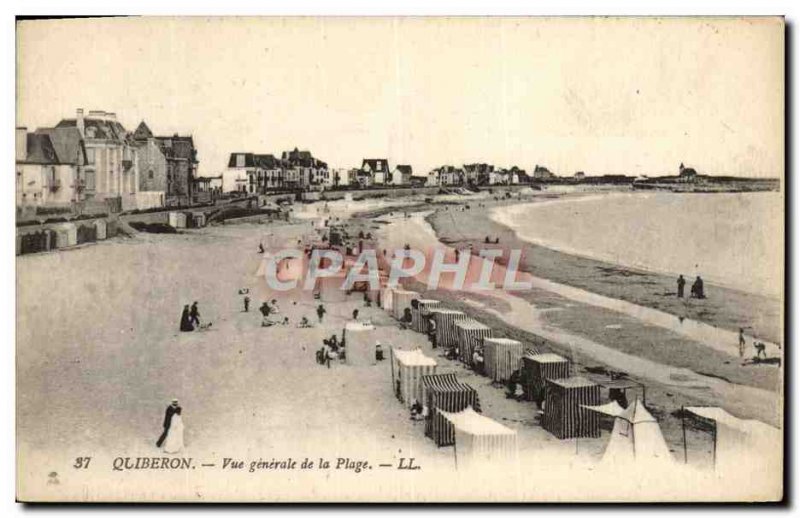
[401, 299]
[636, 437]
[744, 442]
[386, 298]
[360, 339]
[481, 442]
[410, 367]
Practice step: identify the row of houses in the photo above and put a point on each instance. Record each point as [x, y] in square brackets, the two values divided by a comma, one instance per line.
[254, 173]
[93, 161]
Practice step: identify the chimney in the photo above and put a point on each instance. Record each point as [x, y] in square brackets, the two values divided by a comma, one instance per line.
[22, 143]
[79, 121]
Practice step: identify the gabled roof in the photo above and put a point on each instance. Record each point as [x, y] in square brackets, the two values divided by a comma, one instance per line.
[67, 144]
[178, 147]
[267, 161]
[142, 132]
[376, 164]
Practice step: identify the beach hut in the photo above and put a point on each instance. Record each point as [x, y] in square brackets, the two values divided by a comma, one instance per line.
[420, 314]
[177, 220]
[331, 289]
[501, 357]
[100, 229]
[67, 235]
[564, 412]
[360, 339]
[386, 298]
[445, 392]
[446, 335]
[198, 219]
[480, 442]
[741, 442]
[537, 368]
[636, 438]
[86, 234]
[470, 335]
[408, 368]
[401, 299]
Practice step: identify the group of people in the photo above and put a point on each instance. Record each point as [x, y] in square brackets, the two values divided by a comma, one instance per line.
[332, 349]
[190, 318]
[697, 289]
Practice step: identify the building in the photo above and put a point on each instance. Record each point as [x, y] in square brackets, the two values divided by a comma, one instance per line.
[207, 188]
[236, 178]
[446, 175]
[343, 177]
[152, 169]
[110, 171]
[401, 175]
[578, 177]
[303, 171]
[49, 168]
[542, 174]
[686, 174]
[477, 174]
[182, 164]
[378, 168]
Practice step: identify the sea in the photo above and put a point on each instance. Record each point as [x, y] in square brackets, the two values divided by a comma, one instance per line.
[731, 239]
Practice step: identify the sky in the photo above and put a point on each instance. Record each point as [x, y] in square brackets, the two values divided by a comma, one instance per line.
[600, 95]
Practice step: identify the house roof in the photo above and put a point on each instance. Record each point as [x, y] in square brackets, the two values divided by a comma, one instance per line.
[142, 132]
[178, 147]
[405, 169]
[40, 150]
[376, 164]
[267, 161]
[99, 129]
[249, 160]
[67, 144]
[297, 158]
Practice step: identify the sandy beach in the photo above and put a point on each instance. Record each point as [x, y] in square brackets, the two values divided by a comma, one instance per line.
[256, 393]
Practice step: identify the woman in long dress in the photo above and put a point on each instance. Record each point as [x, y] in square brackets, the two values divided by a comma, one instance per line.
[186, 323]
[174, 442]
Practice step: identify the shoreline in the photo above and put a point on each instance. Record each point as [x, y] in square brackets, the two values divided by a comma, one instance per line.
[725, 307]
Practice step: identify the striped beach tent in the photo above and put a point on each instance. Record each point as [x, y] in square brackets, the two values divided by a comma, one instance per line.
[470, 335]
[446, 335]
[480, 441]
[360, 339]
[420, 314]
[501, 356]
[401, 299]
[536, 368]
[408, 368]
[564, 412]
[445, 392]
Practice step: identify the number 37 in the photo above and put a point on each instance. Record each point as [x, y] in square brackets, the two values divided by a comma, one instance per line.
[82, 462]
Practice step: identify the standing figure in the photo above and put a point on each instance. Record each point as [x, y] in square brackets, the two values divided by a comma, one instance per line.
[246, 304]
[186, 322]
[681, 284]
[355, 314]
[741, 342]
[168, 415]
[378, 352]
[320, 312]
[194, 315]
[174, 442]
[697, 289]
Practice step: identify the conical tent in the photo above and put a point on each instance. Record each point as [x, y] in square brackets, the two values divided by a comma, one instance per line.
[408, 369]
[479, 440]
[636, 437]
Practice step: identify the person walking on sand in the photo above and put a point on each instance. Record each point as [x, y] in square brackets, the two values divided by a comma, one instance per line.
[741, 342]
[186, 322]
[168, 415]
[174, 441]
[681, 284]
[355, 314]
[246, 304]
[194, 314]
[320, 312]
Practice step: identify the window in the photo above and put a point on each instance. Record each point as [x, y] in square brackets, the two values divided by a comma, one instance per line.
[90, 152]
[239, 160]
[150, 174]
